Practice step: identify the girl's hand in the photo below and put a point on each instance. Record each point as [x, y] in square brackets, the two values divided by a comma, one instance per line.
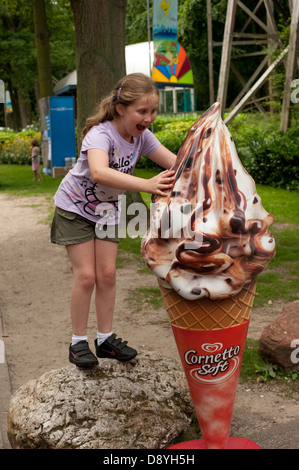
[161, 183]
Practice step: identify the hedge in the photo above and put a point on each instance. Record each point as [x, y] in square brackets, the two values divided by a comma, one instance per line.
[15, 146]
[270, 156]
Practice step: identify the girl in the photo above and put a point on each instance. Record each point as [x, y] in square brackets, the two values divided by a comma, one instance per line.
[113, 141]
[35, 152]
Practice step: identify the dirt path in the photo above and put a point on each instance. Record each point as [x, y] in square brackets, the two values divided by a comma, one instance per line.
[35, 284]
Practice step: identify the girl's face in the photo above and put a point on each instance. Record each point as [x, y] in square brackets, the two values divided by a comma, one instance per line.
[137, 117]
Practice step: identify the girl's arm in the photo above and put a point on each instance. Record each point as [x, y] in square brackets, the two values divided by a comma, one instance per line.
[98, 161]
[33, 152]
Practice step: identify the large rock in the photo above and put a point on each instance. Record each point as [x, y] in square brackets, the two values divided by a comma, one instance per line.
[142, 404]
[280, 339]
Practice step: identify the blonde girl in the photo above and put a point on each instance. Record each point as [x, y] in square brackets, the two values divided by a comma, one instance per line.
[113, 140]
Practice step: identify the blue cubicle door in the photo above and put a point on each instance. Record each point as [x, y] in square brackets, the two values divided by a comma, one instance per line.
[62, 123]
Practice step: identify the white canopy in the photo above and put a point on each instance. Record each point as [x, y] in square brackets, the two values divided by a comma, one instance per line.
[138, 59]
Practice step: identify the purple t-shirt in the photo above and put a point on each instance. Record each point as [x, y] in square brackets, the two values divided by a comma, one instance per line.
[79, 193]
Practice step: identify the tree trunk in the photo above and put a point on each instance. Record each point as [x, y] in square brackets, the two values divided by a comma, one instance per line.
[25, 109]
[100, 51]
[14, 118]
[42, 48]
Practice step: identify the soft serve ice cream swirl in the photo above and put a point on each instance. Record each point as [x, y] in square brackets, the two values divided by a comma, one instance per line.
[210, 236]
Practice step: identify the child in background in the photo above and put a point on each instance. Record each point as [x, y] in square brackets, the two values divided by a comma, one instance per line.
[113, 141]
[35, 159]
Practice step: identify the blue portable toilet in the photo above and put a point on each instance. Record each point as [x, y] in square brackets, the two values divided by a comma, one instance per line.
[58, 133]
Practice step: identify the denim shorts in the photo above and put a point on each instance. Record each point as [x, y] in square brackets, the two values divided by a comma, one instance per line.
[69, 228]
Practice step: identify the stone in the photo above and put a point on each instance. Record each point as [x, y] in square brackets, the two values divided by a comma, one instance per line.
[279, 342]
[141, 404]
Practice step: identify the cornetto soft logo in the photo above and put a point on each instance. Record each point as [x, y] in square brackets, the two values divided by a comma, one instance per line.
[214, 364]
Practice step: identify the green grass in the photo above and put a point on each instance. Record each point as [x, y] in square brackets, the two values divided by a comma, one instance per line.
[17, 179]
[150, 296]
[282, 204]
[279, 281]
[255, 369]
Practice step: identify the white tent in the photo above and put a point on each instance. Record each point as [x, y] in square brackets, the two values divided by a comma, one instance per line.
[139, 58]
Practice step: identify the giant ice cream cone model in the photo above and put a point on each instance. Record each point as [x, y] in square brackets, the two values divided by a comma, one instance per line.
[207, 242]
[210, 336]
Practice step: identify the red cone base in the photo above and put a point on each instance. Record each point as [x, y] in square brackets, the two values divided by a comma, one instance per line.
[212, 362]
[232, 443]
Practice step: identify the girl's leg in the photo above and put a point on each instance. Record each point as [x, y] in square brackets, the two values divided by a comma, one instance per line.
[105, 255]
[82, 258]
[112, 347]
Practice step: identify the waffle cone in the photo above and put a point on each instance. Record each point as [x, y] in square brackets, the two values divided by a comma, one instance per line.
[205, 314]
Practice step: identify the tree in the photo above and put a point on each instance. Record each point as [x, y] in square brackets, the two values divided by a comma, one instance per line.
[18, 54]
[17, 59]
[100, 51]
[42, 48]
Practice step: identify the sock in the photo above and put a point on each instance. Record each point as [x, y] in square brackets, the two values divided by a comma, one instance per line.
[101, 337]
[76, 339]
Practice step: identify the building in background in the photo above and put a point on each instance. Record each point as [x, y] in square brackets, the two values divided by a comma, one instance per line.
[163, 59]
[174, 81]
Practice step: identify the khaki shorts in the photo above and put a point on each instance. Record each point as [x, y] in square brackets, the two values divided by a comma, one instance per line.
[69, 228]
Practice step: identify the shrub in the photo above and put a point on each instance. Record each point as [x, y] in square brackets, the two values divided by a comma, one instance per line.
[267, 154]
[171, 132]
[15, 146]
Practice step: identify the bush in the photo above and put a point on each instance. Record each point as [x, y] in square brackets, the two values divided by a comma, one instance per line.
[173, 135]
[267, 154]
[15, 146]
[171, 132]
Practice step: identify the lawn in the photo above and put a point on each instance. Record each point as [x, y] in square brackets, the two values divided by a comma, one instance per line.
[279, 281]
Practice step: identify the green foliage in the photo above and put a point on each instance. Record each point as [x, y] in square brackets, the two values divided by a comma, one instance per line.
[274, 159]
[171, 132]
[15, 146]
[17, 51]
[269, 156]
[136, 21]
[173, 135]
[18, 61]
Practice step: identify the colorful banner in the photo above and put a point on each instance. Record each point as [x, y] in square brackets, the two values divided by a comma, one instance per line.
[8, 102]
[165, 14]
[171, 64]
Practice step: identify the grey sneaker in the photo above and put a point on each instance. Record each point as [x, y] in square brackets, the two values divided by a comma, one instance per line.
[81, 355]
[115, 348]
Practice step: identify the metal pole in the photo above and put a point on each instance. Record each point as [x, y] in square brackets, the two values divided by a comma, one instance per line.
[149, 38]
[149, 47]
[3, 100]
[291, 68]
[210, 52]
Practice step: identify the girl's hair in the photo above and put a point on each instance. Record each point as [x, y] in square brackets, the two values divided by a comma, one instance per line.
[128, 89]
[34, 143]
